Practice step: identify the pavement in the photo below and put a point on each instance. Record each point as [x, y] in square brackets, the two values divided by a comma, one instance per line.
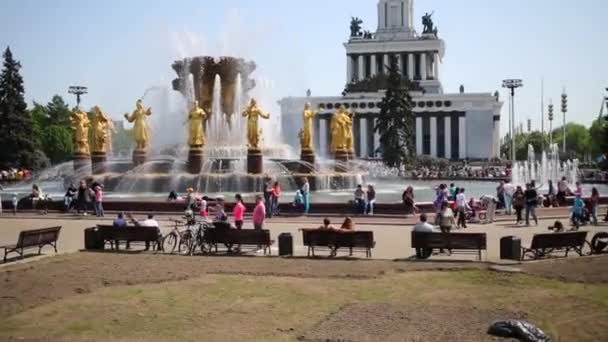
[391, 233]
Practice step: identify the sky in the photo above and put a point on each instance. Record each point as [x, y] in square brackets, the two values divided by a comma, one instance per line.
[118, 48]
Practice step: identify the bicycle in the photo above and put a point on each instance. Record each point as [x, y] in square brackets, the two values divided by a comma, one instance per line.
[199, 240]
[180, 239]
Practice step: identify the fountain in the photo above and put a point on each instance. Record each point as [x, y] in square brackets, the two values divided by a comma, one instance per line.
[548, 169]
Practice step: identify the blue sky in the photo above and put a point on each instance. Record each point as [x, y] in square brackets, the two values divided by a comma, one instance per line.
[120, 48]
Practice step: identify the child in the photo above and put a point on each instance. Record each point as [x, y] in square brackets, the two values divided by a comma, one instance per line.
[204, 212]
[15, 203]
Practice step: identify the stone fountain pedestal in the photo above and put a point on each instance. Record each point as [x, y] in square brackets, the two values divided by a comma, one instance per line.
[139, 157]
[81, 159]
[307, 155]
[98, 162]
[341, 156]
[195, 159]
[255, 161]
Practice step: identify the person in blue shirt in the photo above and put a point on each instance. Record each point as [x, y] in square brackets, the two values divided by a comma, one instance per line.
[578, 210]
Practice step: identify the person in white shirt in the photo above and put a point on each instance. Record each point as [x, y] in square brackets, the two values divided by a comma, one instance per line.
[424, 227]
[489, 202]
[509, 190]
[461, 207]
[149, 222]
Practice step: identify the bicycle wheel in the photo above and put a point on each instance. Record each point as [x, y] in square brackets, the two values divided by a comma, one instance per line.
[185, 244]
[169, 243]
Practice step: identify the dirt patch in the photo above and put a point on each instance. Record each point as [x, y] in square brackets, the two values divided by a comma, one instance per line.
[388, 322]
[29, 285]
[583, 270]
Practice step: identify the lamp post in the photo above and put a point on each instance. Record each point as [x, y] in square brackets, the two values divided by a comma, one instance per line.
[564, 110]
[550, 125]
[512, 84]
[78, 91]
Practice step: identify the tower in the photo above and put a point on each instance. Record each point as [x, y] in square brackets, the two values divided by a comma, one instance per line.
[395, 19]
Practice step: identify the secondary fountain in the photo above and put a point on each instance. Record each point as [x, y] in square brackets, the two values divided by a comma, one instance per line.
[548, 168]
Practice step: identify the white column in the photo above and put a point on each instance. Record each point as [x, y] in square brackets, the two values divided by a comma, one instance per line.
[433, 136]
[462, 135]
[436, 66]
[496, 150]
[363, 138]
[374, 65]
[376, 139]
[400, 60]
[323, 143]
[419, 136]
[410, 66]
[448, 137]
[349, 69]
[423, 66]
[361, 67]
[386, 63]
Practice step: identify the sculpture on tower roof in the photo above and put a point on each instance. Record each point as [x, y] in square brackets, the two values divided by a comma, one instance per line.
[355, 27]
[427, 22]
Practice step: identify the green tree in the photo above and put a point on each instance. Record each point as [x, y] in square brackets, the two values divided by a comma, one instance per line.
[18, 145]
[396, 123]
[523, 140]
[598, 134]
[52, 129]
[578, 140]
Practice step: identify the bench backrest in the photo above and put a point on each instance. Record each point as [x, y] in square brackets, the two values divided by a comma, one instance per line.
[472, 241]
[319, 237]
[235, 236]
[131, 233]
[558, 240]
[38, 237]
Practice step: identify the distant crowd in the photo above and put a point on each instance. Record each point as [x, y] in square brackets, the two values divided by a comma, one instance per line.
[14, 175]
[460, 172]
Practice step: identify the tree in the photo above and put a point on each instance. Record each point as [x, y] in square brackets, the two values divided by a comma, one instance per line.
[396, 123]
[578, 140]
[52, 129]
[598, 134]
[17, 141]
[523, 140]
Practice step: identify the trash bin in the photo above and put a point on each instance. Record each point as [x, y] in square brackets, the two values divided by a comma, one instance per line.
[92, 239]
[510, 248]
[285, 244]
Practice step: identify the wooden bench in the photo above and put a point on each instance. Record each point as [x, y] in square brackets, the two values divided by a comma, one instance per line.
[464, 243]
[33, 238]
[236, 237]
[335, 239]
[548, 243]
[111, 234]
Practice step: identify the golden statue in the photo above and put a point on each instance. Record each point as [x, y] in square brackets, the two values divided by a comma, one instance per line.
[341, 130]
[195, 121]
[100, 130]
[110, 134]
[140, 128]
[80, 125]
[306, 139]
[253, 112]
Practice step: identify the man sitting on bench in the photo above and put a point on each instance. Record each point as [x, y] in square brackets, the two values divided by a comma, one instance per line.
[149, 222]
[424, 227]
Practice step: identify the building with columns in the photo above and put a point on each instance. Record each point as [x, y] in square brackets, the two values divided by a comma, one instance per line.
[448, 125]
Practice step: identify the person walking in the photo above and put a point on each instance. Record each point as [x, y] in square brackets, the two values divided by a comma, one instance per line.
[15, 203]
[595, 201]
[190, 199]
[371, 200]
[461, 206]
[305, 190]
[98, 200]
[238, 211]
[268, 198]
[259, 213]
[500, 193]
[508, 191]
[578, 211]
[531, 203]
[519, 202]
[82, 198]
[69, 197]
[275, 196]
[409, 201]
[562, 191]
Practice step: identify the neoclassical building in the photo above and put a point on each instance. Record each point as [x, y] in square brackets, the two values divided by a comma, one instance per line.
[448, 125]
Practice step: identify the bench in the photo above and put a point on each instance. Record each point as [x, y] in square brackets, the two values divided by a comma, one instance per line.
[33, 238]
[111, 234]
[335, 239]
[464, 243]
[544, 244]
[238, 237]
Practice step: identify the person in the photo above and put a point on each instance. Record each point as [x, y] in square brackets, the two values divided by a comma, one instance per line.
[190, 200]
[149, 222]
[558, 227]
[595, 201]
[120, 222]
[579, 189]
[578, 210]
[508, 190]
[298, 201]
[238, 211]
[172, 196]
[371, 199]
[98, 200]
[259, 213]
[68, 198]
[275, 196]
[409, 201]
[15, 203]
[220, 214]
[204, 210]
[348, 224]
[82, 198]
[424, 227]
[489, 202]
[359, 200]
[461, 207]
[531, 203]
[519, 202]
[453, 192]
[35, 196]
[440, 197]
[326, 224]
[562, 191]
[268, 198]
[445, 218]
[305, 190]
[500, 193]
[551, 194]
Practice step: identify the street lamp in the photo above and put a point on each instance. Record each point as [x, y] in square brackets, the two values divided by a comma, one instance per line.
[550, 125]
[564, 110]
[78, 91]
[512, 84]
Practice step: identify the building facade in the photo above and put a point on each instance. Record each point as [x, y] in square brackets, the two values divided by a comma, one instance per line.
[448, 125]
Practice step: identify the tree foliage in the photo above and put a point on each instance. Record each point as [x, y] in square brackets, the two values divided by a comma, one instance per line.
[52, 129]
[396, 122]
[598, 135]
[578, 140]
[18, 144]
